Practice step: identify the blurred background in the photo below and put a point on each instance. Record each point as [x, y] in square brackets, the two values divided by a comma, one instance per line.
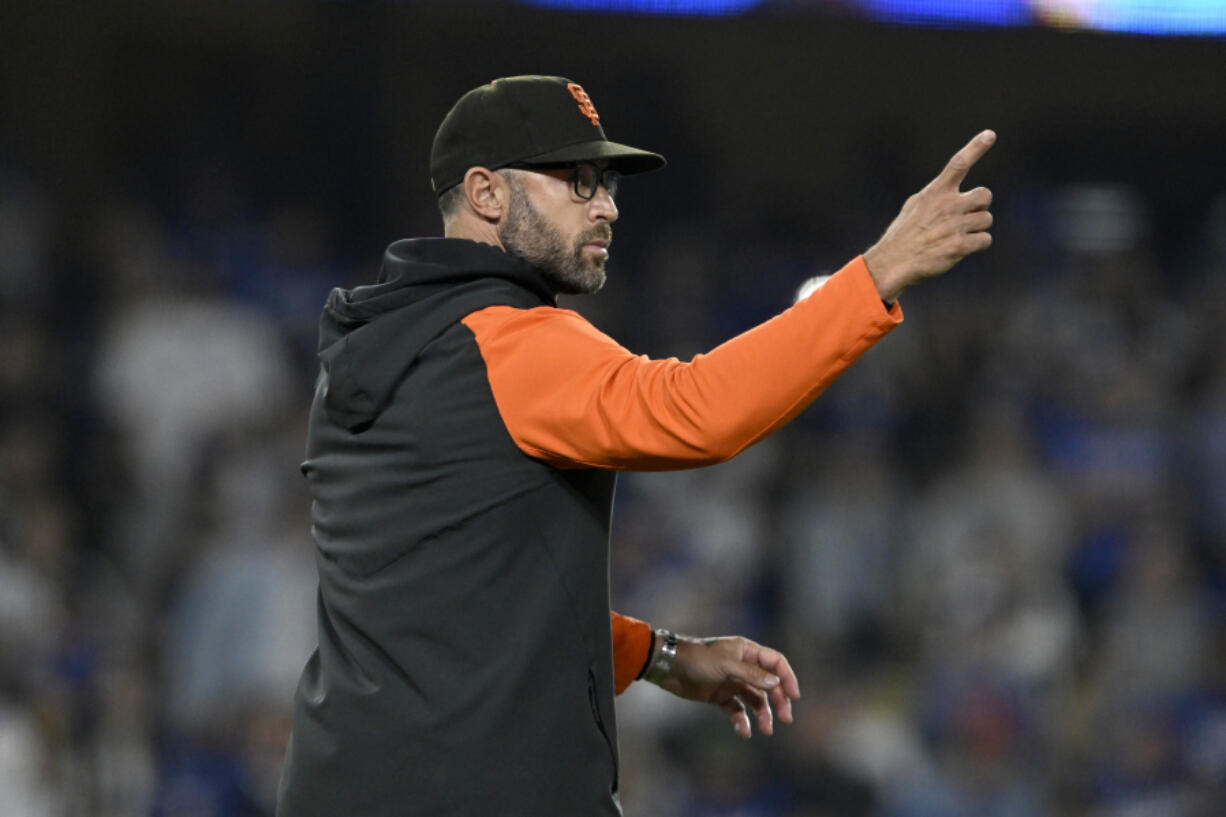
[995, 551]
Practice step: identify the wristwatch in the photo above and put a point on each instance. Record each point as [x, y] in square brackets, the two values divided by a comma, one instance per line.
[662, 665]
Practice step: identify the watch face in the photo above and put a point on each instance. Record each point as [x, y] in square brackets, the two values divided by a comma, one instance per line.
[662, 664]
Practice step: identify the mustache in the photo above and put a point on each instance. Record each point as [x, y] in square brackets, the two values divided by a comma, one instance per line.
[604, 232]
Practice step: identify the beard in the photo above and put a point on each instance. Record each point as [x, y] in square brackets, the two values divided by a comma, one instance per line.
[526, 233]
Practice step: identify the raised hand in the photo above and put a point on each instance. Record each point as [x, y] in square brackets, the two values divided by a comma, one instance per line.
[936, 228]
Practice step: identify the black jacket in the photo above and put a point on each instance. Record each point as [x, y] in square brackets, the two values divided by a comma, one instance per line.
[464, 663]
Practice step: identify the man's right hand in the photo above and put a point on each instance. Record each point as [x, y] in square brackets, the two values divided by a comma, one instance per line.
[936, 228]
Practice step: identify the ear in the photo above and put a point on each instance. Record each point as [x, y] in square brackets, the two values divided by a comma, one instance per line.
[486, 192]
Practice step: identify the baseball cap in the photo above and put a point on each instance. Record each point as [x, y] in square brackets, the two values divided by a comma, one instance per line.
[532, 119]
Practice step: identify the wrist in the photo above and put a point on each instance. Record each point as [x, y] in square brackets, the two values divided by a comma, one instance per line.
[664, 656]
[647, 659]
[881, 271]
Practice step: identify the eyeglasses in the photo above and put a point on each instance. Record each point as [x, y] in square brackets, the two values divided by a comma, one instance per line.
[585, 178]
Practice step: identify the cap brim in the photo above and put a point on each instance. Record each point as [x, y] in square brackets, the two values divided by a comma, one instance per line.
[622, 158]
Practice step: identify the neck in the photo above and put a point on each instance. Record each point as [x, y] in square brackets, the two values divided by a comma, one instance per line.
[482, 231]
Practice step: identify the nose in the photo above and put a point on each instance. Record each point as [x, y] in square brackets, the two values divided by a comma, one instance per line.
[601, 206]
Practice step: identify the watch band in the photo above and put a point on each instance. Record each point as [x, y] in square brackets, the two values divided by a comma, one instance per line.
[651, 651]
[663, 663]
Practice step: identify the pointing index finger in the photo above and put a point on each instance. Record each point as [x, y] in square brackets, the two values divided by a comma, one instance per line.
[962, 161]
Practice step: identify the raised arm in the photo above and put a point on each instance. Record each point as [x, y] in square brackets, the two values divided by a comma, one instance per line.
[573, 397]
[570, 395]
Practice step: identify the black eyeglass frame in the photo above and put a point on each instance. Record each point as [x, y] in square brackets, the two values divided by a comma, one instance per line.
[608, 178]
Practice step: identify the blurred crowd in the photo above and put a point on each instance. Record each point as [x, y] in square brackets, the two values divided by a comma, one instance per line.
[995, 551]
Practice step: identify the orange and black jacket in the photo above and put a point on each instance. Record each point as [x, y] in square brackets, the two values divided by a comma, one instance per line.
[462, 450]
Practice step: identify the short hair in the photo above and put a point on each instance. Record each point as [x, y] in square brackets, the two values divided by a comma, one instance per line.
[449, 200]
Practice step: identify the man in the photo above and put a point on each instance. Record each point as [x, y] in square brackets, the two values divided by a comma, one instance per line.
[463, 443]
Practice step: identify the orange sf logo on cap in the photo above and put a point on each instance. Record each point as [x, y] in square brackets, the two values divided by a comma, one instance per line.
[585, 102]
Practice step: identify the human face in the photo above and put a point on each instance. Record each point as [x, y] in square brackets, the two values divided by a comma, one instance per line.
[551, 227]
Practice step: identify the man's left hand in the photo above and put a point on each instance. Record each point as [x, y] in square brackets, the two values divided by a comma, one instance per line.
[737, 675]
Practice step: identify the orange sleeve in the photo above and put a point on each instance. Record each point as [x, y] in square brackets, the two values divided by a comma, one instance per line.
[631, 641]
[573, 397]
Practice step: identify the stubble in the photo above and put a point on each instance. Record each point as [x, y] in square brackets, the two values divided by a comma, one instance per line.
[527, 234]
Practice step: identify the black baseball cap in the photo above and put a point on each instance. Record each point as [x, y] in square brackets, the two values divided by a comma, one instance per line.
[529, 119]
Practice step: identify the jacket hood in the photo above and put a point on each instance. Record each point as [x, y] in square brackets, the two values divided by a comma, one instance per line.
[370, 336]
